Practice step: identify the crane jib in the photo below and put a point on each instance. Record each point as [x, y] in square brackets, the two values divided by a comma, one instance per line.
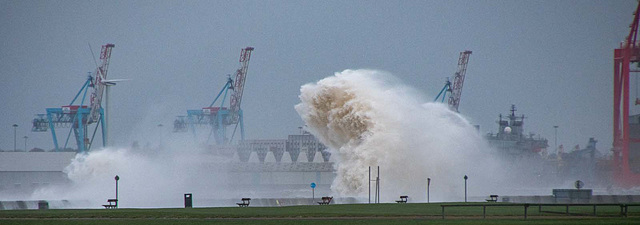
[238, 88]
[98, 84]
[458, 81]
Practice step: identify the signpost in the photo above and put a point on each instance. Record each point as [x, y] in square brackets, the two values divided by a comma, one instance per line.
[313, 191]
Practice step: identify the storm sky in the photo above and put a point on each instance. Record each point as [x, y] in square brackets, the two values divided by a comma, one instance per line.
[553, 59]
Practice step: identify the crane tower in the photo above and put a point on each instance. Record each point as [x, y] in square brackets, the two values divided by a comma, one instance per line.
[455, 89]
[79, 117]
[98, 84]
[626, 128]
[220, 117]
[238, 87]
[458, 81]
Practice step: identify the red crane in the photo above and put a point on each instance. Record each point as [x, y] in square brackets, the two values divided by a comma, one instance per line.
[98, 84]
[238, 86]
[626, 132]
[458, 81]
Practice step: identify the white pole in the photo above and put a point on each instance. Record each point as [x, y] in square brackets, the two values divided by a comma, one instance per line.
[106, 116]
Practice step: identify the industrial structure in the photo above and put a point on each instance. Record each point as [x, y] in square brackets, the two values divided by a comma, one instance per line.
[455, 89]
[21, 173]
[294, 145]
[219, 117]
[80, 117]
[281, 167]
[272, 164]
[587, 163]
[626, 128]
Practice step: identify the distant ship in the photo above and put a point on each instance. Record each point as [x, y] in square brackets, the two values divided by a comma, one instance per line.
[511, 140]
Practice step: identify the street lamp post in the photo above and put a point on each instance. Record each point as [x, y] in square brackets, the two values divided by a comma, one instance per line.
[25, 143]
[428, 184]
[117, 178]
[556, 138]
[465, 187]
[15, 127]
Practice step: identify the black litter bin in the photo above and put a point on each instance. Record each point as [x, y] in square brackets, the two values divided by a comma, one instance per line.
[188, 200]
[43, 205]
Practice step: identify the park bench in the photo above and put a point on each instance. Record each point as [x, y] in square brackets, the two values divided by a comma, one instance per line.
[113, 203]
[403, 199]
[492, 198]
[325, 200]
[245, 202]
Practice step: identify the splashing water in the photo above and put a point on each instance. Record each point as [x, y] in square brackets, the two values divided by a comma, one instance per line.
[147, 179]
[368, 118]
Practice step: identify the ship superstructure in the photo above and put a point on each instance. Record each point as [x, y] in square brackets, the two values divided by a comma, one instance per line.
[511, 139]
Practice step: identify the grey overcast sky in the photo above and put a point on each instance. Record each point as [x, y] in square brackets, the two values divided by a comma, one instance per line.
[553, 59]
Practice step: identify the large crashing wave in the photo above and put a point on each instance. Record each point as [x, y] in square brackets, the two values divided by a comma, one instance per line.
[368, 118]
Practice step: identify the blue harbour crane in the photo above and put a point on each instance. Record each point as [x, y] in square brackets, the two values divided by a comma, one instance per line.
[80, 118]
[217, 116]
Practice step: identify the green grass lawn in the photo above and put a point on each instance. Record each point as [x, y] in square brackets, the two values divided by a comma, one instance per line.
[313, 222]
[417, 213]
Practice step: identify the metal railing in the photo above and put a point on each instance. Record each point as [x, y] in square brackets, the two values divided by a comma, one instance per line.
[623, 207]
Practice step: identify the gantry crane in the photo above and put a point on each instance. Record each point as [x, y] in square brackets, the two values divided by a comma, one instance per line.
[79, 117]
[626, 132]
[220, 117]
[455, 88]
